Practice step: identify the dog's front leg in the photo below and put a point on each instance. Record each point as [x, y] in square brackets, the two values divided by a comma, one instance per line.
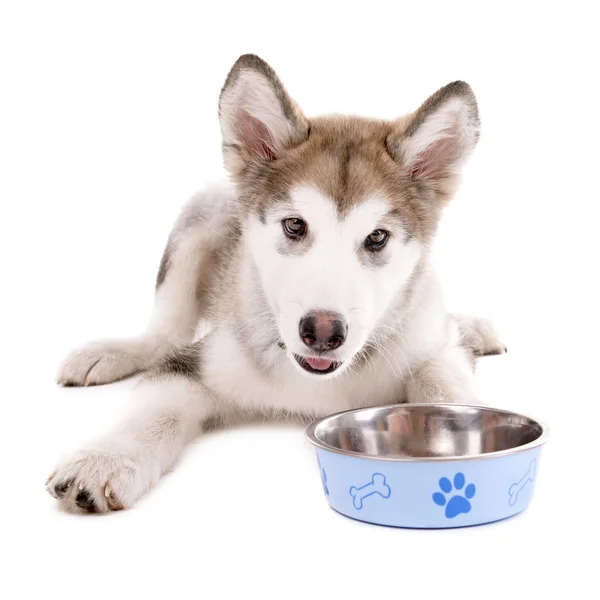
[115, 471]
[448, 377]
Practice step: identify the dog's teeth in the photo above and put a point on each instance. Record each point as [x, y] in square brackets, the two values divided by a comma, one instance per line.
[81, 487]
[107, 490]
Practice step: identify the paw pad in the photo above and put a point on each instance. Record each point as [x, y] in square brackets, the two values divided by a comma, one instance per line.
[459, 502]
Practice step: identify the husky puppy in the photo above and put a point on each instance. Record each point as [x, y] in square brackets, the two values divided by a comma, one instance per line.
[310, 274]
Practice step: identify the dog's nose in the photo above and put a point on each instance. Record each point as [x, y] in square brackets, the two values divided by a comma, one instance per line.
[322, 331]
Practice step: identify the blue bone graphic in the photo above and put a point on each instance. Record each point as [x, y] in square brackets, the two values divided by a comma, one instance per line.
[377, 485]
[515, 488]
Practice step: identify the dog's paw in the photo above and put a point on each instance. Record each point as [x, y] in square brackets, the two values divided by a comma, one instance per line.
[479, 336]
[103, 362]
[98, 481]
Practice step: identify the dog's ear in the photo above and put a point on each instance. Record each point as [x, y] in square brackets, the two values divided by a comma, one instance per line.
[434, 143]
[259, 121]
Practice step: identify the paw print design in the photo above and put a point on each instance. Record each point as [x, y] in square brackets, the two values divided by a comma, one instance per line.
[459, 502]
[323, 477]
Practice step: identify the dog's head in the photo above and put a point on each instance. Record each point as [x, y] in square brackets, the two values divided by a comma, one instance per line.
[337, 210]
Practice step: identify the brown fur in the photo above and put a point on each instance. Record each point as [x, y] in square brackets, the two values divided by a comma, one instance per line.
[345, 157]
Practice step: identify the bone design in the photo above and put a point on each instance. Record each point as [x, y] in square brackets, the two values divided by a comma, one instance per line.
[515, 488]
[377, 485]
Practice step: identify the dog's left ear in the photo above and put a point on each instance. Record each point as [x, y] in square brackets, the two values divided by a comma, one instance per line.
[259, 121]
[439, 137]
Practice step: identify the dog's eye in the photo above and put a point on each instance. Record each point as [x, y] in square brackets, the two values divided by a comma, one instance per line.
[294, 228]
[377, 239]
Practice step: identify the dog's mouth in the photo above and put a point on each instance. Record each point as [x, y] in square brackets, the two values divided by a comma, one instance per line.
[317, 366]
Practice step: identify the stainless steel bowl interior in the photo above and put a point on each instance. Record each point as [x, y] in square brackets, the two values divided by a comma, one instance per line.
[426, 431]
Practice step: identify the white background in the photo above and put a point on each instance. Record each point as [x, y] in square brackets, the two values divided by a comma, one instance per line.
[108, 124]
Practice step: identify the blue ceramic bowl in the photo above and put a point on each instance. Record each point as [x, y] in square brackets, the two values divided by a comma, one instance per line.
[428, 465]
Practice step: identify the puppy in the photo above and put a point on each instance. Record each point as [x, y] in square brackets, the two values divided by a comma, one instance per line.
[310, 276]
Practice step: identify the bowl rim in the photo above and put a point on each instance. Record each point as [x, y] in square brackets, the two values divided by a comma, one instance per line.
[542, 439]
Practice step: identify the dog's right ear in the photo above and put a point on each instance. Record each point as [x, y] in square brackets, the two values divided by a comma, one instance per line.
[259, 121]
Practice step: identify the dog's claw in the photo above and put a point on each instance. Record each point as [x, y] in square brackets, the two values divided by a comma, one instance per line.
[50, 487]
[111, 501]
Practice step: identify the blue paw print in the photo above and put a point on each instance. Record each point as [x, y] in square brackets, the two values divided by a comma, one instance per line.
[459, 503]
[323, 477]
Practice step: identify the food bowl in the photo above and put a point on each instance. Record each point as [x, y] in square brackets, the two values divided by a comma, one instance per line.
[428, 465]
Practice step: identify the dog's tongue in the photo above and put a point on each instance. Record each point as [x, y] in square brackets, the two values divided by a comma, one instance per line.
[319, 364]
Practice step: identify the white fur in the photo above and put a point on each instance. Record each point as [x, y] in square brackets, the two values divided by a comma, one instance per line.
[165, 416]
[423, 364]
[330, 276]
[177, 317]
[262, 290]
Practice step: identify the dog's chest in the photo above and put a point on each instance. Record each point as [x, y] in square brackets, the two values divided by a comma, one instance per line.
[230, 372]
